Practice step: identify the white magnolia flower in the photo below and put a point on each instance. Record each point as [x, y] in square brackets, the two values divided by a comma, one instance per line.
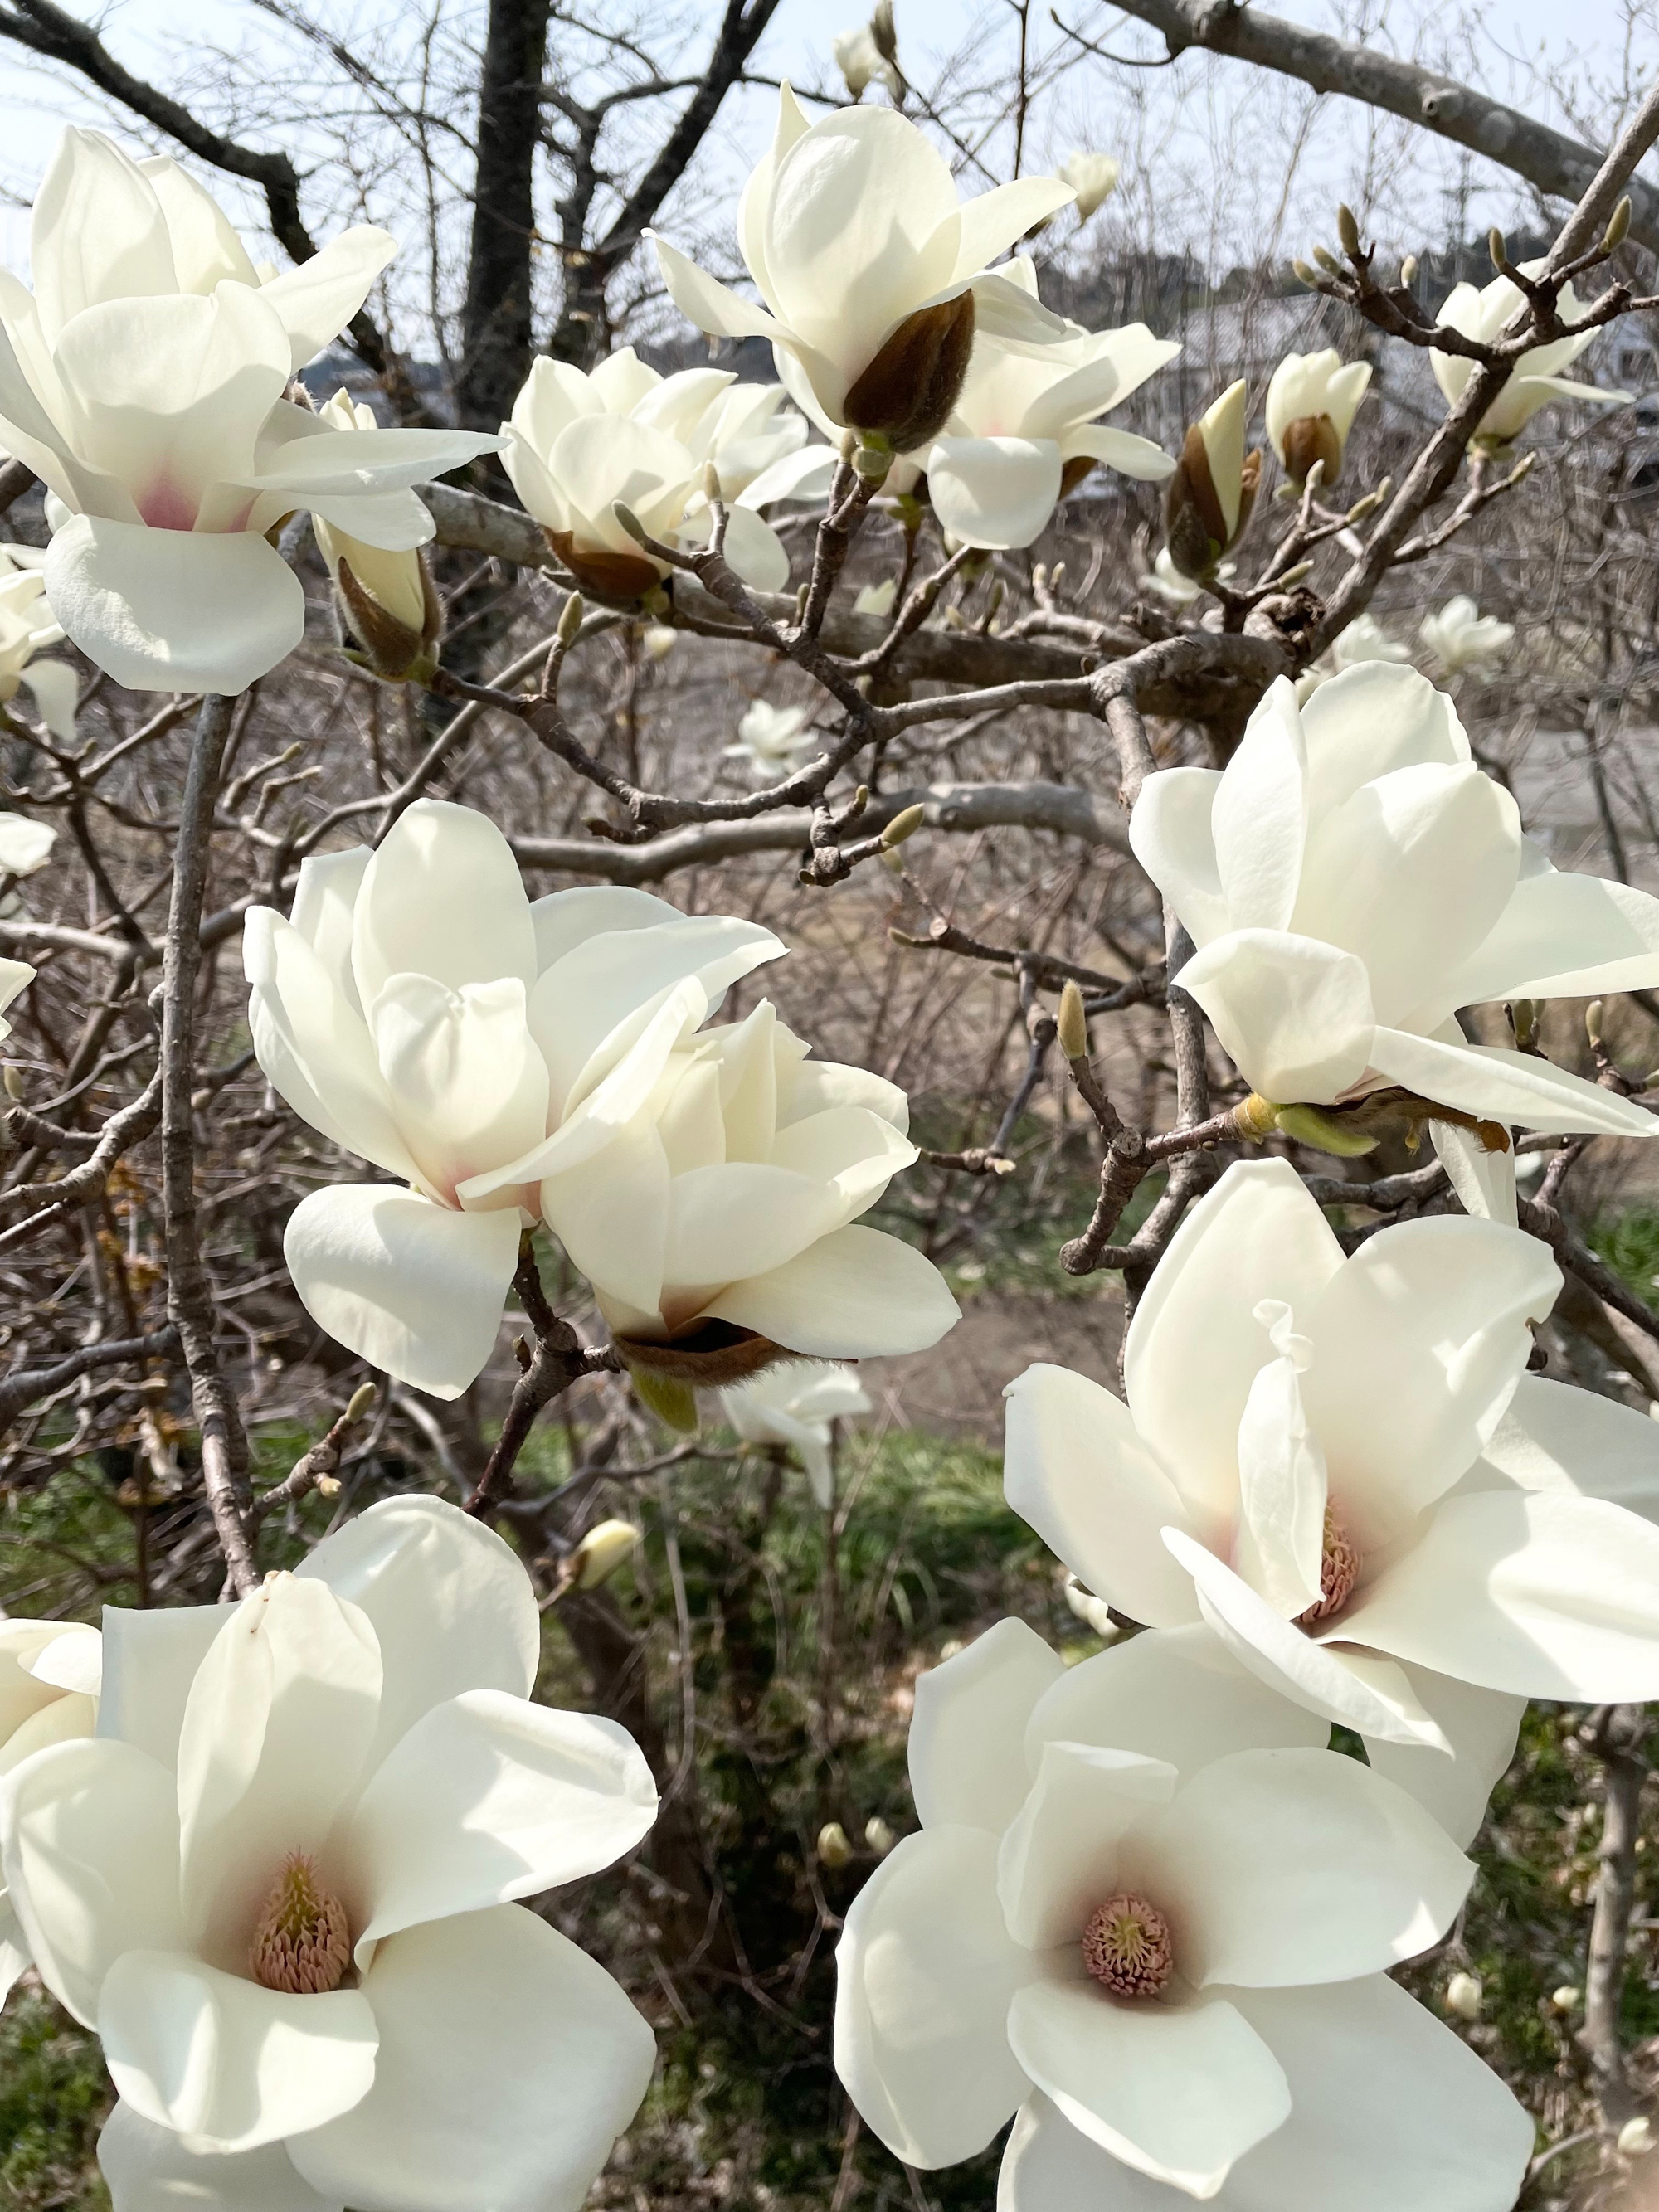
[1365, 638]
[1301, 1465]
[1534, 381]
[732, 1197]
[794, 1405]
[49, 1677]
[578, 445]
[26, 627]
[862, 63]
[771, 739]
[874, 276]
[280, 1885]
[142, 379]
[1460, 636]
[1023, 431]
[15, 976]
[1212, 492]
[1147, 1915]
[25, 846]
[394, 583]
[419, 1011]
[1167, 581]
[1312, 399]
[877, 598]
[1352, 878]
[1093, 177]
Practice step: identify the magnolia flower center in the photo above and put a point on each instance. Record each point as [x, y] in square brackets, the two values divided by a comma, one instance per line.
[301, 1944]
[1339, 1570]
[1126, 1946]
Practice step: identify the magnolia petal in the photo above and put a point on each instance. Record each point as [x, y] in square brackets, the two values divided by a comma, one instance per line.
[467, 1082]
[57, 692]
[277, 1732]
[1561, 936]
[449, 1602]
[743, 1220]
[925, 1972]
[1532, 1592]
[408, 1285]
[967, 1728]
[564, 920]
[993, 221]
[1286, 1868]
[89, 1849]
[14, 1950]
[753, 549]
[151, 2169]
[993, 492]
[1501, 1085]
[1256, 1237]
[1260, 817]
[611, 1215]
[1484, 1181]
[1481, 1727]
[477, 930]
[1294, 1014]
[1064, 1851]
[99, 231]
[1372, 1696]
[1577, 1442]
[1171, 836]
[1372, 720]
[712, 306]
[150, 1660]
[318, 299]
[488, 1799]
[1279, 1548]
[1121, 450]
[1074, 1468]
[856, 1294]
[174, 609]
[219, 2058]
[1177, 2092]
[557, 2062]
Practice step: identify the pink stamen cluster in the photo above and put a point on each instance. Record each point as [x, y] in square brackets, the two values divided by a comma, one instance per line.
[1339, 1570]
[1126, 1946]
[301, 1944]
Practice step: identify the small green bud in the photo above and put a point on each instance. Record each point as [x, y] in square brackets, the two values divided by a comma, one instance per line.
[1294, 575]
[362, 1403]
[1618, 228]
[629, 522]
[1306, 274]
[1328, 261]
[835, 1851]
[570, 618]
[905, 823]
[1498, 250]
[1073, 1023]
[1347, 228]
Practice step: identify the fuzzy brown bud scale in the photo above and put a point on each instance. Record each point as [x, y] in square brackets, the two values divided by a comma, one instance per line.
[1126, 1946]
[1312, 438]
[618, 579]
[301, 1944]
[1195, 523]
[907, 393]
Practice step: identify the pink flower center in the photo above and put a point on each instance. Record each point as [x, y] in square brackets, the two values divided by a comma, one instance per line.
[167, 506]
[302, 1943]
[1126, 1946]
[1339, 1570]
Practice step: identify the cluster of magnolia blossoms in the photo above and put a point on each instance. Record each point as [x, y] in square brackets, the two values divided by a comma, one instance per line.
[281, 1881]
[510, 1061]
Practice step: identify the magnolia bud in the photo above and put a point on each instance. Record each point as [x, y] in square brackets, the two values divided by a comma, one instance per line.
[1593, 1014]
[1523, 1020]
[1308, 275]
[1498, 250]
[1328, 261]
[1347, 228]
[1294, 575]
[1635, 2137]
[1212, 491]
[1073, 1023]
[1408, 272]
[1567, 1998]
[879, 1836]
[834, 1848]
[905, 823]
[570, 618]
[13, 1079]
[1463, 1996]
[361, 1403]
[1617, 225]
[659, 641]
[602, 1551]
[907, 393]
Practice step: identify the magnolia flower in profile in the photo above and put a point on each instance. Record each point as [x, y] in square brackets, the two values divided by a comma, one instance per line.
[1093, 177]
[771, 739]
[1149, 1920]
[143, 380]
[874, 278]
[420, 1012]
[49, 1679]
[721, 1226]
[1312, 399]
[579, 445]
[1213, 490]
[1167, 581]
[26, 627]
[1352, 878]
[792, 1405]
[281, 1884]
[1024, 433]
[389, 604]
[1303, 1464]
[1534, 381]
[1365, 638]
[15, 976]
[1460, 636]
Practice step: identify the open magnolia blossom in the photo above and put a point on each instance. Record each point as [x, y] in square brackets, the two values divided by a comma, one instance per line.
[1301, 1464]
[720, 1225]
[419, 1011]
[874, 278]
[1460, 636]
[794, 1405]
[143, 380]
[1365, 638]
[1212, 494]
[388, 597]
[27, 628]
[771, 739]
[1147, 1913]
[1093, 177]
[280, 1885]
[579, 445]
[1312, 399]
[1024, 433]
[49, 1679]
[1352, 878]
[1535, 380]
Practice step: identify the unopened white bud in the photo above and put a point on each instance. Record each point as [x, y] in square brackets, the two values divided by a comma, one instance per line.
[1636, 2137]
[834, 1848]
[603, 1550]
[1567, 1998]
[879, 1836]
[1463, 1995]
